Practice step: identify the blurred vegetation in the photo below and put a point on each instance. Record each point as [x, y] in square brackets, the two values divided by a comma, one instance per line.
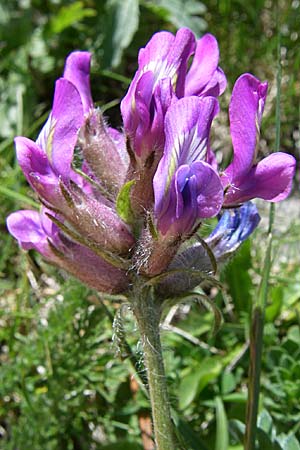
[62, 385]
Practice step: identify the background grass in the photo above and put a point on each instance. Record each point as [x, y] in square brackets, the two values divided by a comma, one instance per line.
[61, 384]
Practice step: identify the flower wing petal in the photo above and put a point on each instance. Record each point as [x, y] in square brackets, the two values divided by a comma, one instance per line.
[204, 65]
[245, 112]
[271, 179]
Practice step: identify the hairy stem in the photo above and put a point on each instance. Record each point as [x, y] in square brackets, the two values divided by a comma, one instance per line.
[147, 313]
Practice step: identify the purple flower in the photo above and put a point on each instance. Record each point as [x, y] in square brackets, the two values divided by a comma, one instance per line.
[50, 158]
[165, 149]
[36, 231]
[47, 163]
[161, 78]
[245, 178]
[186, 186]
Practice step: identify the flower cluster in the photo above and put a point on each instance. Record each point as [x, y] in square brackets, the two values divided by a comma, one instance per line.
[140, 193]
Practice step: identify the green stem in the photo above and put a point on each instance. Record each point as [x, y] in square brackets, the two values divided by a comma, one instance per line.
[258, 312]
[256, 346]
[148, 313]
[256, 337]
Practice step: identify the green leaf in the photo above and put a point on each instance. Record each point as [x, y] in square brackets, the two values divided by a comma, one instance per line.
[264, 440]
[121, 22]
[288, 442]
[181, 13]
[237, 429]
[188, 389]
[235, 397]
[222, 438]
[193, 383]
[69, 15]
[123, 203]
[273, 310]
[228, 382]
[238, 280]
[186, 435]
[265, 422]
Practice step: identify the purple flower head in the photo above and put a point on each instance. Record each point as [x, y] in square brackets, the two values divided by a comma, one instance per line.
[244, 179]
[186, 186]
[35, 230]
[161, 78]
[233, 228]
[46, 163]
[159, 178]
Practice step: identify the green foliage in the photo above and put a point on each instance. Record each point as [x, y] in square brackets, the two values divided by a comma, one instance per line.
[69, 15]
[180, 13]
[121, 23]
[267, 437]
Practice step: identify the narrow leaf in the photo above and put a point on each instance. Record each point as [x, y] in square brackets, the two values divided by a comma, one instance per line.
[222, 438]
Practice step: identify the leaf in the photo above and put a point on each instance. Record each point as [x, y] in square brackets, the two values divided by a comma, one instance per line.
[288, 442]
[186, 435]
[120, 24]
[222, 438]
[235, 397]
[237, 278]
[181, 13]
[265, 422]
[123, 203]
[264, 440]
[273, 310]
[69, 15]
[237, 429]
[188, 389]
[193, 383]
[228, 382]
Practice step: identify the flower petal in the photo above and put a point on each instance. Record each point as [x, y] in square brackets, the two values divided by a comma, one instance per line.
[37, 170]
[217, 85]
[187, 127]
[233, 228]
[26, 227]
[167, 56]
[210, 190]
[245, 113]
[271, 179]
[77, 71]
[204, 65]
[161, 75]
[66, 120]
[196, 192]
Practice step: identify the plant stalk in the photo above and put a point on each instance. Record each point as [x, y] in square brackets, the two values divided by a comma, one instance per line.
[258, 312]
[148, 312]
